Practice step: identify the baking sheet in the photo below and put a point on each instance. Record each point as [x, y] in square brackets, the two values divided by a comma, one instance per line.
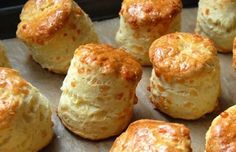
[49, 84]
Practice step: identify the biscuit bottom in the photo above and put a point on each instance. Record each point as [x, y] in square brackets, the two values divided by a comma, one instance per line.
[190, 99]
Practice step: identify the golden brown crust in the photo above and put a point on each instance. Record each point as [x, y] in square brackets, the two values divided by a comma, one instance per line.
[150, 12]
[4, 62]
[221, 137]
[178, 56]
[41, 19]
[153, 135]
[234, 53]
[111, 60]
[11, 85]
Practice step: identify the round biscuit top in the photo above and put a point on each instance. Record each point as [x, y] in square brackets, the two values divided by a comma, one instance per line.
[178, 56]
[41, 19]
[12, 89]
[152, 136]
[110, 61]
[222, 133]
[145, 12]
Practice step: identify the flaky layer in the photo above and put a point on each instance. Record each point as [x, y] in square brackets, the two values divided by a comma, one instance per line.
[186, 100]
[153, 136]
[217, 20]
[179, 56]
[96, 107]
[221, 135]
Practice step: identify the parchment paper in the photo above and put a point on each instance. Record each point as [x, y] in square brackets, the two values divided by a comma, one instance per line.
[49, 84]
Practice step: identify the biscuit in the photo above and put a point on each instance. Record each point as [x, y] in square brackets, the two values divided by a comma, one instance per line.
[184, 66]
[98, 92]
[153, 136]
[143, 21]
[25, 115]
[217, 20]
[52, 30]
[221, 135]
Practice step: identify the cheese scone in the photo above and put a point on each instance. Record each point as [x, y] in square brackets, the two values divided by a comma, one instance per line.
[98, 92]
[221, 135]
[52, 30]
[217, 20]
[25, 115]
[185, 66]
[153, 136]
[143, 21]
[4, 62]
